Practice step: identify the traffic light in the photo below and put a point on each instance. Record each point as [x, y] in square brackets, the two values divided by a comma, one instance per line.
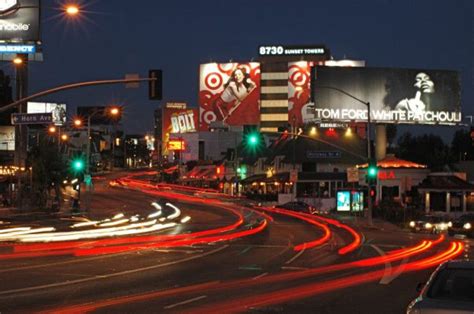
[372, 172]
[373, 193]
[78, 165]
[253, 140]
[155, 87]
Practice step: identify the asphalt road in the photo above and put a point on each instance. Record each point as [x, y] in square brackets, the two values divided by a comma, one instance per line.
[215, 276]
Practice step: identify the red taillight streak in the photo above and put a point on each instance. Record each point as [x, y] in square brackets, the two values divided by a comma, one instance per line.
[325, 238]
[305, 291]
[243, 283]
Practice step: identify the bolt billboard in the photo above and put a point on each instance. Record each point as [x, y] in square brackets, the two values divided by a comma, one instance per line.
[229, 93]
[395, 95]
[177, 121]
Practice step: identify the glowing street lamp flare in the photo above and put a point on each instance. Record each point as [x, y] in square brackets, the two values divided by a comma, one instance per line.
[52, 129]
[64, 137]
[18, 61]
[114, 111]
[77, 122]
[72, 10]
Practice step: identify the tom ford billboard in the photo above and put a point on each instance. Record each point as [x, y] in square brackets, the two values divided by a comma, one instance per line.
[20, 20]
[395, 95]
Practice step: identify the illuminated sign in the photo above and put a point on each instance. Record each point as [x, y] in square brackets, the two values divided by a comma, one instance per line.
[58, 111]
[183, 122]
[175, 105]
[176, 145]
[291, 51]
[19, 20]
[6, 5]
[386, 175]
[395, 95]
[17, 49]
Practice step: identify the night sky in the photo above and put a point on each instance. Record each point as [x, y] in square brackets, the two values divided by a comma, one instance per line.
[115, 37]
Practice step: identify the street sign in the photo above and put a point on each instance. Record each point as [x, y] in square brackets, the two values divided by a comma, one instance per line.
[352, 174]
[31, 118]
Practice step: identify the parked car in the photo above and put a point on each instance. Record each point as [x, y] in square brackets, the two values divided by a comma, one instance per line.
[430, 223]
[464, 225]
[298, 207]
[450, 289]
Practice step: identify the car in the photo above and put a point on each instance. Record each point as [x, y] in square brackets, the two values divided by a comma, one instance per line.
[450, 289]
[464, 225]
[299, 207]
[430, 223]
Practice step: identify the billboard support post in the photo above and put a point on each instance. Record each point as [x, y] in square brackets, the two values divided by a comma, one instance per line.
[369, 150]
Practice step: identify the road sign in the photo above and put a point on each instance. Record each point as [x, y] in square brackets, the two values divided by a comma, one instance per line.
[352, 175]
[31, 118]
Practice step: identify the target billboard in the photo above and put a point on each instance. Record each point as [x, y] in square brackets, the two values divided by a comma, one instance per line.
[230, 93]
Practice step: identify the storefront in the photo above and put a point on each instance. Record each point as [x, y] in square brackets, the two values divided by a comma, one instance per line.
[396, 177]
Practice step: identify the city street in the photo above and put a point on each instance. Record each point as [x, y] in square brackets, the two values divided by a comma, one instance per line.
[258, 272]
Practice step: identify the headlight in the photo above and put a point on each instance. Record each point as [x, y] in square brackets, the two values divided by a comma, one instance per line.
[412, 224]
[443, 226]
[450, 224]
[428, 225]
[467, 226]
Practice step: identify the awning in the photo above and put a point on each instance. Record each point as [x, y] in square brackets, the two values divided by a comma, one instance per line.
[393, 162]
[253, 178]
[445, 183]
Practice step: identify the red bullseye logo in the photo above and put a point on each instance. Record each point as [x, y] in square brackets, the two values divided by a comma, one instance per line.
[213, 81]
[299, 77]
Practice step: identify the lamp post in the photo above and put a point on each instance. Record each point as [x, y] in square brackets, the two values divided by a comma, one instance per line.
[369, 150]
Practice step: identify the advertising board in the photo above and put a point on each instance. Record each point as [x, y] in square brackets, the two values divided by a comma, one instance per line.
[20, 20]
[395, 95]
[57, 110]
[230, 93]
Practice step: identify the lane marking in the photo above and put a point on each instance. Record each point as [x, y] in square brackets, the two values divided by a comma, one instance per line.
[388, 266]
[259, 276]
[100, 277]
[398, 272]
[294, 268]
[295, 257]
[185, 302]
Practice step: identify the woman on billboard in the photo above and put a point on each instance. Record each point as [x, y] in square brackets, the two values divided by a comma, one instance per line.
[424, 86]
[237, 88]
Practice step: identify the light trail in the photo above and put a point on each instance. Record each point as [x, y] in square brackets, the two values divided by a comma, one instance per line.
[249, 282]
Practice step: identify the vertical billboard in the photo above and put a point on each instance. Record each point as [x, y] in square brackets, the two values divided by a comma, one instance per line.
[299, 90]
[395, 95]
[230, 93]
[19, 20]
[177, 120]
[58, 111]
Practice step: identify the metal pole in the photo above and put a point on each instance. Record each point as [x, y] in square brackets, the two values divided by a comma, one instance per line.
[88, 154]
[21, 135]
[369, 157]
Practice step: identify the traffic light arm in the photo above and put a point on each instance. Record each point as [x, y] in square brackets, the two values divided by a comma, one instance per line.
[72, 86]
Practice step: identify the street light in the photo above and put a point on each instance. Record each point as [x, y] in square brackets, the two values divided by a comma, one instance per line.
[17, 61]
[369, 151]
[52, 129]
[77, 122]
[64, 137]
[72, 10]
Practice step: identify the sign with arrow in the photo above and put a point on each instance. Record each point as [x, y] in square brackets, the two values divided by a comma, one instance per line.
[31, 118]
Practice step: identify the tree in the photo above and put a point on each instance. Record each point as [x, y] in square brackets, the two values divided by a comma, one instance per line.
[49, 169]
[425, 149]
[462, 146]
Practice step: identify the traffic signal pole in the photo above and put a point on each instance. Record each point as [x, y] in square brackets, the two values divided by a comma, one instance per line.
[369, 159]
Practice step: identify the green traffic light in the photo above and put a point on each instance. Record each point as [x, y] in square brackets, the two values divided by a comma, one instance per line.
[253, 139]
[372, 172]
[78, 165]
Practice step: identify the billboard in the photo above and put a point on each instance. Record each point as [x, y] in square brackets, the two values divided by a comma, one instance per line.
[58, 111]
[230, 93]
[20, 20]
[299, 92]
[177, 120]
[281, 50]
[395, 95]
[7, 138]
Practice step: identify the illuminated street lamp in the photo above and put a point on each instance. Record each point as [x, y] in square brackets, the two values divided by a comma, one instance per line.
[52, 129]
[77, 122]
[64, 137]
[114, 111]
[72, 10]
[17, 61]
